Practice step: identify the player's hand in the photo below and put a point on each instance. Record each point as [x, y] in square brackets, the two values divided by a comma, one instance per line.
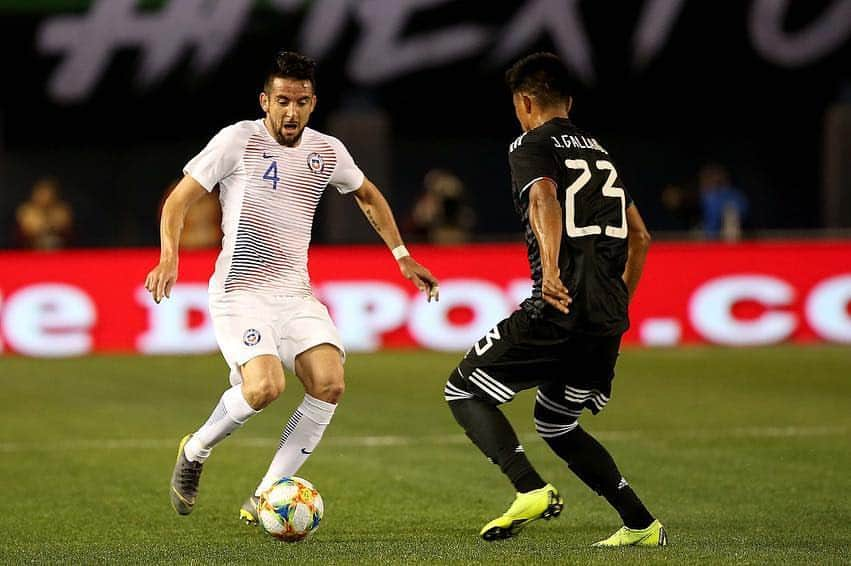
[421, 277]
[161, 279]
[554, 291]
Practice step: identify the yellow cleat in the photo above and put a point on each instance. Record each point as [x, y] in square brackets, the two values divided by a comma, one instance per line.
[654, 535]
[543, 503]
[248, 513]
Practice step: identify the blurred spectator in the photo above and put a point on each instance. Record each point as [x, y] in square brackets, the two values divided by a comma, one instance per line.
[44, 221]
[442, 213]
[723, 205]
[682, 205]
[202, 228]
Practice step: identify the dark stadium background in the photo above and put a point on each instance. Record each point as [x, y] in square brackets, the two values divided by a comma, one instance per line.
[731, 410]
[707, 94]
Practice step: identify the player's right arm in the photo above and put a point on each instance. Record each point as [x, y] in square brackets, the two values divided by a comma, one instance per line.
[545, 216]
[218, 160]
[161, 278]
[638, 242]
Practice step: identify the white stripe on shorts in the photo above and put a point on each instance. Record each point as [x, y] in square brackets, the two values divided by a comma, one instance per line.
[579, 396]
[499, 386]
[490, 390]
[453, 393]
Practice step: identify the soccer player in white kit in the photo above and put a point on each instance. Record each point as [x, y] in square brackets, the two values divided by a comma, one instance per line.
[271, 174]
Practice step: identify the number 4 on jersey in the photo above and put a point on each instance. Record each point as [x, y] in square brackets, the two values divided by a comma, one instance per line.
[271, 174]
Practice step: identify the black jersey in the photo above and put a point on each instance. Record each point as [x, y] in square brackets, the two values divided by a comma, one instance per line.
[593, 248]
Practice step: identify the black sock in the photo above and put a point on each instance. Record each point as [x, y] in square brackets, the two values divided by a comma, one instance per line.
[521, 473]
[633, 512]
[488, 428]
[593, 464]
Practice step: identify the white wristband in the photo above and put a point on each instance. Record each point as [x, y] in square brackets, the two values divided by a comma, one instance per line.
[399, 252]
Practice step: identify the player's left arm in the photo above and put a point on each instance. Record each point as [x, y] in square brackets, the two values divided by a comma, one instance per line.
[374, 206]
[638, 239]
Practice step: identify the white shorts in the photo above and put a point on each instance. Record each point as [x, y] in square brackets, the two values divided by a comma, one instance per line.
[250, 325]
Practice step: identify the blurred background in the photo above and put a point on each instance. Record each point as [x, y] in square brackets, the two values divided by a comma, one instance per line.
[743, 109]
[728, 124]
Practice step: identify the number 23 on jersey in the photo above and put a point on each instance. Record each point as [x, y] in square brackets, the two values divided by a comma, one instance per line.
[609, 191]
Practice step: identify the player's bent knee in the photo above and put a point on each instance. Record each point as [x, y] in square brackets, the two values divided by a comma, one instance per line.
[329, 389]
[553, 431]
[259, 394]
[331, 392]
[552, 422]
[263, 381]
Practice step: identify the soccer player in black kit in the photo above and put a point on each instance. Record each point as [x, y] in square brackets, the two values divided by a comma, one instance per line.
[587, 245]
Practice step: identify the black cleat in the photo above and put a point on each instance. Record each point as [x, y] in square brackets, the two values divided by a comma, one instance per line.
[184, 480]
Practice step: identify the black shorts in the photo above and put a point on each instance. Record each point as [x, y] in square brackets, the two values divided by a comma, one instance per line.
[572, 371]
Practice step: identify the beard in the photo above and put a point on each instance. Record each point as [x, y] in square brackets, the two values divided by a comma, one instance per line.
[286, 138]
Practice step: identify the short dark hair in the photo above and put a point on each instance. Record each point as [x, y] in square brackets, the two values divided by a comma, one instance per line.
[291, 65]
[541, 75]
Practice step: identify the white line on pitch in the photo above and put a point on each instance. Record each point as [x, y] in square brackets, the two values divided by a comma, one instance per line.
[443, 439]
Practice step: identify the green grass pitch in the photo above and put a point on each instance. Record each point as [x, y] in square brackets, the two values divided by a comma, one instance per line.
[743, 454]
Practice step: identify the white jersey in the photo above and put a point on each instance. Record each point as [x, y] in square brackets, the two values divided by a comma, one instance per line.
[269, 194]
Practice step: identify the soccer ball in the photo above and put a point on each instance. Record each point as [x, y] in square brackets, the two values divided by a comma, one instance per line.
[290, 509]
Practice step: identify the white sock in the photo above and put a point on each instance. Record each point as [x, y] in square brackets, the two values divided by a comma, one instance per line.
[300, 437]
[230, 414]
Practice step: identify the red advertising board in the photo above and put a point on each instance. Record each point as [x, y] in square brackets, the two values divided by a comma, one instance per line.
[76, 302]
